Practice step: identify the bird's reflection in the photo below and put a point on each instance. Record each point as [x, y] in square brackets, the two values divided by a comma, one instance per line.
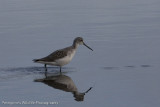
[64, 83]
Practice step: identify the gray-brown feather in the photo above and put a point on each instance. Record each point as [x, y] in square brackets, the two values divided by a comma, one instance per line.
[55, 55]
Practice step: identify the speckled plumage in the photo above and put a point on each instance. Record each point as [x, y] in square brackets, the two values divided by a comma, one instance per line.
[63, 56]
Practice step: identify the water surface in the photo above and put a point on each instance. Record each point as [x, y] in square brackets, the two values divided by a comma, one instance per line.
[123, 69]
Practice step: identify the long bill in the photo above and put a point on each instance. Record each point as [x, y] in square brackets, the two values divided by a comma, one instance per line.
[87, 46]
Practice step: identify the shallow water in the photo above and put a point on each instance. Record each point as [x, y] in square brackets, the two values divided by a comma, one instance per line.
[123, 69]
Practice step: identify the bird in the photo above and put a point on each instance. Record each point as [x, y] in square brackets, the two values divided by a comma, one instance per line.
[63, 56]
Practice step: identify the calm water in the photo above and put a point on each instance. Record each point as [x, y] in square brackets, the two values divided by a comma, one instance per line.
[122, 71]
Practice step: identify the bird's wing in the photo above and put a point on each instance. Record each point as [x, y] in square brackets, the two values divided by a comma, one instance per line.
[54, 56]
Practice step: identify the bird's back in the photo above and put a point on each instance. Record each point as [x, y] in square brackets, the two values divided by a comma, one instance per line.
[58, 54]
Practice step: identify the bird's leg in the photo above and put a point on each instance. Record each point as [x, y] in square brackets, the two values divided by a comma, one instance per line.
[45, 66]
[60, 70]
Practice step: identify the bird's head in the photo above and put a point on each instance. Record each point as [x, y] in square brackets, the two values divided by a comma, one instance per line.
[79, 41]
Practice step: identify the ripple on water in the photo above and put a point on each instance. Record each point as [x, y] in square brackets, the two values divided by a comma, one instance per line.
[17, 72]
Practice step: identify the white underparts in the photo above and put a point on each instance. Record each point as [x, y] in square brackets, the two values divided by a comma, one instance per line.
[62, 61]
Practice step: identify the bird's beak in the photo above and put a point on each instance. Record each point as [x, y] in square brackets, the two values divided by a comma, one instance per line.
[87, 46]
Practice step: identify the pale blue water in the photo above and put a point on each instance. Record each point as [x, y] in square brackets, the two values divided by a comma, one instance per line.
[123, 69]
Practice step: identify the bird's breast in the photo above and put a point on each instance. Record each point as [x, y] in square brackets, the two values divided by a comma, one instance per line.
[71, 54]
[65, 60]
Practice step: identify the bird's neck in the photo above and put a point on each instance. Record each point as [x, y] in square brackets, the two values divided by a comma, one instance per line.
[75, 45]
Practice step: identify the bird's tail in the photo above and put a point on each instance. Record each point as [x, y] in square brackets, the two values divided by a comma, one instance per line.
[35, 60]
